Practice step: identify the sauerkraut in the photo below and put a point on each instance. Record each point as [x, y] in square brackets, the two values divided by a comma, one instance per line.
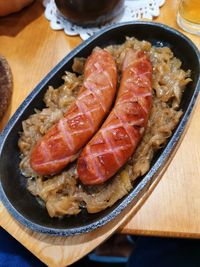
[63, 194]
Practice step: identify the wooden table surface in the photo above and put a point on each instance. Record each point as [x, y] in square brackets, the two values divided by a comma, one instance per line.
[173, 209]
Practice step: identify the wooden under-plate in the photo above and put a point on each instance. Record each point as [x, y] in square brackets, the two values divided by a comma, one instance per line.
[11, 134]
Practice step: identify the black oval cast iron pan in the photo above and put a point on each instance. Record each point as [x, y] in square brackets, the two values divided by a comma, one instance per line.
[14, 195]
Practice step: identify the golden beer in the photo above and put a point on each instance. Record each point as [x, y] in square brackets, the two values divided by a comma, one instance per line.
[190, 10]
[188, 16]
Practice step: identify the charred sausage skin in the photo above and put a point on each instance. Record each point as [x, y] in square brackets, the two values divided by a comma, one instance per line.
[62, 142]
[120, 134]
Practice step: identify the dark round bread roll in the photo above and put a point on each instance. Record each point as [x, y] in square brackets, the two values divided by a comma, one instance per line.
[6, 85]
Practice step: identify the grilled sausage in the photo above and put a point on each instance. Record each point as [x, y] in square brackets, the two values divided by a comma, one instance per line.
[120, 134]
[62, 142]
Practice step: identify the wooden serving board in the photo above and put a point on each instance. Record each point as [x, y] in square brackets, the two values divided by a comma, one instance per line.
[63, 251]
[173, 209]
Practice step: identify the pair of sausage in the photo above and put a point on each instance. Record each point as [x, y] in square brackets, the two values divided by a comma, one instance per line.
[118, 137]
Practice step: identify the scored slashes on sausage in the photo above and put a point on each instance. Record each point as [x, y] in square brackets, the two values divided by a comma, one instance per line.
[62, 142]
[117, 139]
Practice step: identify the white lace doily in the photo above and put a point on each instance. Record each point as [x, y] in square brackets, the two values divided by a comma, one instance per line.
[134, 10]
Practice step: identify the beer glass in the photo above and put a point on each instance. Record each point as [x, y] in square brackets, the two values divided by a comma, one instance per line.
[188, 16]
[90, 12]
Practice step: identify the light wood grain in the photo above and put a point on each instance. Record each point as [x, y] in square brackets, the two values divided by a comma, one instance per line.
[63, 251]
[173, 209]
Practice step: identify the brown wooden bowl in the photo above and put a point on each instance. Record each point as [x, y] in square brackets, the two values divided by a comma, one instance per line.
[6, 85]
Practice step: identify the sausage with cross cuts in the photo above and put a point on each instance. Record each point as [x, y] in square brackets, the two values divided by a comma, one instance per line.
[120, 134]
